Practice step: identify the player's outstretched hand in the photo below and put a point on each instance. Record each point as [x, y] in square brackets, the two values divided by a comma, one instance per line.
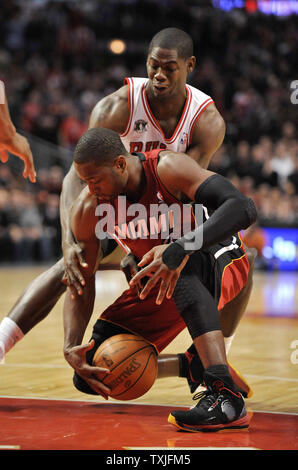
[20, 147]
[76, 357]
[156, 270]
[73, 277]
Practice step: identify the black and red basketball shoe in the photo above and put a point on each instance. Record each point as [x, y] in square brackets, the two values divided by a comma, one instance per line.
[220, 407]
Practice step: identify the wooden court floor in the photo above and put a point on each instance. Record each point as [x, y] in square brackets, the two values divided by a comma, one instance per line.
[264, 350]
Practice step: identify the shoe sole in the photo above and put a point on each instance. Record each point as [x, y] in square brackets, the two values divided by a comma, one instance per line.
[240, 381]
[242, 424]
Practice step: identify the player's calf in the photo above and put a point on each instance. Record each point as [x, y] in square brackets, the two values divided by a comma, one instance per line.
[191, 368]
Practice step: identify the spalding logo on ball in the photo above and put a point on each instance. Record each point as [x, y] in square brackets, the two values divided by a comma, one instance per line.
[133, 365]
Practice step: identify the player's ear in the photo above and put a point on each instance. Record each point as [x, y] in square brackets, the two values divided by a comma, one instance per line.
[120, 162]
[191, 62]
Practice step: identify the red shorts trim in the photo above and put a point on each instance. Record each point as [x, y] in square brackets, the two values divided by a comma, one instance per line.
[233, 279]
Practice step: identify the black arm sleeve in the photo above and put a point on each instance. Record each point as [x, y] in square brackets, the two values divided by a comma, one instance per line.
[232, 212]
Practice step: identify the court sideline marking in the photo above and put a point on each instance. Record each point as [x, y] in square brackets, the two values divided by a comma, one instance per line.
[62, 366]
[127, 403]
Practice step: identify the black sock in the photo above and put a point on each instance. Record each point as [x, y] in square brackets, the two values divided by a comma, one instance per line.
[195, 369]
[183, 365]
[219, 373]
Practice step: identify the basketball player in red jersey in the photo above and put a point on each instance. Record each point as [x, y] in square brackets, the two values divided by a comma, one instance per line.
[150, 179]
[158, 112]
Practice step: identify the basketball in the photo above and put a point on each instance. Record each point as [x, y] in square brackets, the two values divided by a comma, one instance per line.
[133, 365]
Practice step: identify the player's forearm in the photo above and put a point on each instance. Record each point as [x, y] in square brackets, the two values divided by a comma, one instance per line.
[207, 137]
[232, 212]
[7, 129]
[76, 315]
[203, 159]
[72, 186]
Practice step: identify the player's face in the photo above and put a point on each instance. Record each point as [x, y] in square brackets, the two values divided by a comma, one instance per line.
[167, 72]
[105, 182]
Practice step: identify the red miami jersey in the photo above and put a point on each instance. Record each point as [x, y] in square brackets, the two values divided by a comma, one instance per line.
[157, 218]
[143, 132]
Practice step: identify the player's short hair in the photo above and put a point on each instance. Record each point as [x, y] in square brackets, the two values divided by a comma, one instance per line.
[173, 38]
[100, 146]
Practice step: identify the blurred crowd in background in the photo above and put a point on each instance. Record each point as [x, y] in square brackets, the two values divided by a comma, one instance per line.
[56, 64]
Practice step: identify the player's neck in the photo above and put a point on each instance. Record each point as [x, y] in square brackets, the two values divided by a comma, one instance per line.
[164, 109]
[136, 184]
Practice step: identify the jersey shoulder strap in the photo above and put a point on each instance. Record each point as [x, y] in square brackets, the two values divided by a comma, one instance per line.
[135, 86]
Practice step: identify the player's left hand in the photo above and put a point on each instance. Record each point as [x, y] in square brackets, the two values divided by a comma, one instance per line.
[156, 270]
[73, 255]
[76, 357]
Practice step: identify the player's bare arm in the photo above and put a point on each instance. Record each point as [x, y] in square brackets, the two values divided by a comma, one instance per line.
[72, 251]
[111, 112]
[13, 142]
[83, 220]
[207, 137]
[78, 309]
[232, 212]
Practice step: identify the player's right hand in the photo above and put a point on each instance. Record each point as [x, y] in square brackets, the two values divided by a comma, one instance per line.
[20, 147]
[76, 357]
[153, 267]
[73, 258]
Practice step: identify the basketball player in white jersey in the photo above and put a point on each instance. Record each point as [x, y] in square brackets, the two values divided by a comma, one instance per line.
[143, 131]
[161, 111]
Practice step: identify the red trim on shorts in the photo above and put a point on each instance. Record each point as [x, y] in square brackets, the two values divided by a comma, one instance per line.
[233, 279]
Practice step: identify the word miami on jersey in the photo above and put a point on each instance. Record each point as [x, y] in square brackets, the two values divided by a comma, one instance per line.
[153, 221]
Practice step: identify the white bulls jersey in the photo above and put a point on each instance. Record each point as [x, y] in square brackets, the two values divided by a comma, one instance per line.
[143, 132]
